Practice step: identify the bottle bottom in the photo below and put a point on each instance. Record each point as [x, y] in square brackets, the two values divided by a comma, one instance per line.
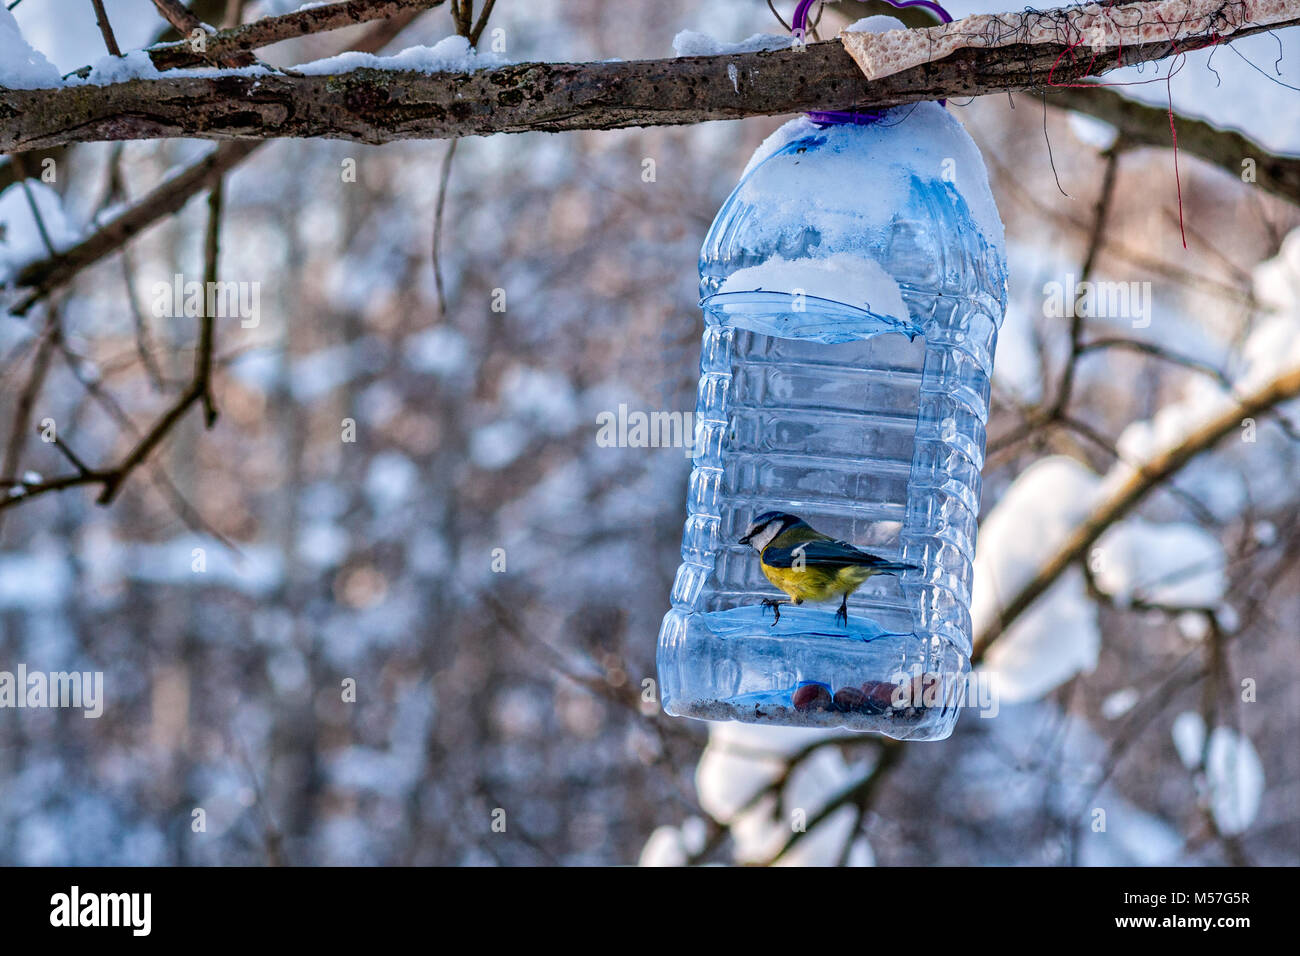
[809, 670]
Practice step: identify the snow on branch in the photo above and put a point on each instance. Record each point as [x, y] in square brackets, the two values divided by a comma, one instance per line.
[408, 98]
[1091, 30]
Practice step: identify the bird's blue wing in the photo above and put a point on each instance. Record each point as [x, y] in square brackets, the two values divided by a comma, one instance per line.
[824, 553]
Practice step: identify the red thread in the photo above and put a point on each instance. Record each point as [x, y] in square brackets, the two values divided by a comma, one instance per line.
[1169, 89]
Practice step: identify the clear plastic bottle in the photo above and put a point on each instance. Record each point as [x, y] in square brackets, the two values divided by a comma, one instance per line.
[852, 288]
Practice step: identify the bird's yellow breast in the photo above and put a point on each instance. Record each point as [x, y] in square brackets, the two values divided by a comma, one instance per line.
[813, 583]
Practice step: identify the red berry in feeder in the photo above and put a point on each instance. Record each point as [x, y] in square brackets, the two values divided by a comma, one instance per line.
[849, 699]
[878, 696]
[812, 697]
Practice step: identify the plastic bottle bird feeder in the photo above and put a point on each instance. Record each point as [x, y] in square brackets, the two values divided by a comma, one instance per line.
[852, 288]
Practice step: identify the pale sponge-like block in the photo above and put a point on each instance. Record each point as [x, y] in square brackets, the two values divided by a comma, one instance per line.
[1091, 26]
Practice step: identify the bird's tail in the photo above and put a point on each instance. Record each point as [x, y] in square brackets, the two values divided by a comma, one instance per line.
[894, 567]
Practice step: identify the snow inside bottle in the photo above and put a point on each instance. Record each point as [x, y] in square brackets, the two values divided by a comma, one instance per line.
[852, 288]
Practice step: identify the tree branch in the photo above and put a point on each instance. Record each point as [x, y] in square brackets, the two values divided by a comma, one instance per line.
[186, 23]
[50, 273]
[47, 274]
[270, 30]
[1143, 125]
[207, 321]
[378, 106]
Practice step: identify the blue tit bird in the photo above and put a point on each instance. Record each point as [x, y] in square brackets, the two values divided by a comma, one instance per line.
[811, 566]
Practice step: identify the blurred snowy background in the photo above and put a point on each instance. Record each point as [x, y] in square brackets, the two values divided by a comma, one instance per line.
[478, 689]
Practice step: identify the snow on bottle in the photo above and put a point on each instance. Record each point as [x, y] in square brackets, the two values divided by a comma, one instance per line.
[852, 288]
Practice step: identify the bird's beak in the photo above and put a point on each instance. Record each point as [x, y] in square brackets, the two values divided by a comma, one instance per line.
[745, 539]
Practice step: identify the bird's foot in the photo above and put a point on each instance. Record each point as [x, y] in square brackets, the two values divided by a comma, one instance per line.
[842, 616]
[775, 605]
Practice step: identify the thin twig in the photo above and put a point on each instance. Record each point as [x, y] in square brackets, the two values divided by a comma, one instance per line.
[1108, 183]
[779, 19]
[207, 332]
[477, 32]
[443, 178]
[45, 275]
[18, 428]
[106, 28]
[1160, 352]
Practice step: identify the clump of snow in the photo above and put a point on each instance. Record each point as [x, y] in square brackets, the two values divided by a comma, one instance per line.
[1272, 349]
[674, 846]
[256, 570]
[842, 277]
[440, 351]
[1238, 472]
[1055, 639]
[777, 139]
[691, 43]
[542, 397]
[1277, 281]
[1175, 564]
[1093, 132]
[1119, 703]
[135, 65]
[322, 544]
[1264, 533]
[497, 444]
[1188, 731]
[1235, 777]
[390, 480]
[1234, 774]
[864, 173]
[450, 55]
[881, 23]
[741, 759]
[1058, 636]
[1133, 838]
[1019, 366]
[1052, 496]
[1192, 626]
[21, 66]
[36, 580]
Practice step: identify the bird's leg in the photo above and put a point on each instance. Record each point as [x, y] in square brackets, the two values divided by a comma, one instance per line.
[775, 605]
[842, 615]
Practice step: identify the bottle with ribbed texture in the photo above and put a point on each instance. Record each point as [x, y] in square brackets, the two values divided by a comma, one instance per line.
[852, 288]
